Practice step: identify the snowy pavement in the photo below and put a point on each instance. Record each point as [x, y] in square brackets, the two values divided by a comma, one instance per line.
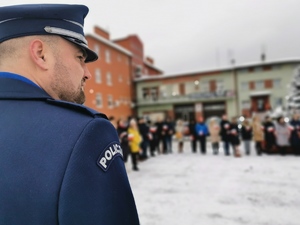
[191, 189]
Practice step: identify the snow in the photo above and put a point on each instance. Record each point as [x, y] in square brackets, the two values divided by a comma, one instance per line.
[191, 189]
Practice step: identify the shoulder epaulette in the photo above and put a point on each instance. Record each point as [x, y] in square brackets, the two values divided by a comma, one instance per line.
[77, 107]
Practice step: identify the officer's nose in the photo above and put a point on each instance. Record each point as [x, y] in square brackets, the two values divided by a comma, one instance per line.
[87, 74]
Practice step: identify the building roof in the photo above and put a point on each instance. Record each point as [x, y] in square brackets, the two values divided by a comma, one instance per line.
[215, 70]
[109, 43]
[152, 66]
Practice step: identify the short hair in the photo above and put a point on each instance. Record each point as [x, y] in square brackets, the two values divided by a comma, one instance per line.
[9, 49]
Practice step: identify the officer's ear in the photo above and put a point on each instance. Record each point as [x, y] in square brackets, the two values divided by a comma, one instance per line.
[38, 53]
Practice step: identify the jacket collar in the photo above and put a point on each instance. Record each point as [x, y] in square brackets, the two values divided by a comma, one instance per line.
[18, 89]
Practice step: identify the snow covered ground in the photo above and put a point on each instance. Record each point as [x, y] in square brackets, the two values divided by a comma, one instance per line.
[192, 189]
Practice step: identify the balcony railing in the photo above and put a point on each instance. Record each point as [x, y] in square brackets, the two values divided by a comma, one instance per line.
[189, 98]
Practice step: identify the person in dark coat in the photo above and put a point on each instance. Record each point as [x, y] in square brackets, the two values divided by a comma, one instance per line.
[153, 138]
[246, 134]
[269, 132]
[225, 134]
[193, 134]
[234, 136]
[61, 162]
[201, 132]
[160, 135]
[144, 131]
[122, 129]
[295, 134]
[169, 131]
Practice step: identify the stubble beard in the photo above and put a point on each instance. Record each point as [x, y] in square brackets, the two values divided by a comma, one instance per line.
[63, 90]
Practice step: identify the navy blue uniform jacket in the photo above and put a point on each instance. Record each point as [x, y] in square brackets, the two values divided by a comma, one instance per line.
[50, 162]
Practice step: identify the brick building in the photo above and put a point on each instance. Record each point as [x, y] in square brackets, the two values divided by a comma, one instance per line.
[241, 90]
[111, 90]
[126, 83]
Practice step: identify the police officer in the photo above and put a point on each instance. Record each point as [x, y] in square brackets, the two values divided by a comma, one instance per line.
[61, 162]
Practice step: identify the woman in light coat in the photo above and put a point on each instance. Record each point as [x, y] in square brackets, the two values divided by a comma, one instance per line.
[282, 133]
[179, 134]
[214, 132]
[258, 134]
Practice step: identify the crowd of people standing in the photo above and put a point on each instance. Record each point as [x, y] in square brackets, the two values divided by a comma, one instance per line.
[141, 138]
[270, 136]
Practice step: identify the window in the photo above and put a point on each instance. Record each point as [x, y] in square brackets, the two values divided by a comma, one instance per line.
[98, 100]
[244, 86]
[163, 92]
[145, 93]
[108, 79]
[204, 86]
[219, 85]
[260, 84]
[196, 85]
[260, 105]
[107, 56]
[276, 67]
[97, 50]
[110, 101]
[258, 69]
[246, 104]
[175, 90]
[243, 71]
[154, 93]
[98, 76]
[277, 83]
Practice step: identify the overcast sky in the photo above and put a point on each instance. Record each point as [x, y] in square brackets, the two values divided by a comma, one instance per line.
[191, 35]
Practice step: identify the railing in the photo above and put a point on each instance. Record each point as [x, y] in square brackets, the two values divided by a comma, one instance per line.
[189, 98]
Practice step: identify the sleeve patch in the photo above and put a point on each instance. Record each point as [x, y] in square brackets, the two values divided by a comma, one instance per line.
[108, 155]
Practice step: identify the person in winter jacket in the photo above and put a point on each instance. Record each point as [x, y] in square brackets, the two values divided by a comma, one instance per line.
[295, 134]
[235, 137]
[282, 133]
[193, 134]
[179, 134]
[214, 132]
[258, 134]
[160, 135]
[135, 140]
[201, 132]
[246, 133]
[122, 127]
[269, 132]
[225, 133]
[153, 138]
[144, 131]
[168, 130]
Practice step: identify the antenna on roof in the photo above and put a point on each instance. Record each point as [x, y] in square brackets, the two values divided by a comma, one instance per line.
[218, 57]
[231, 57]
[263, 53]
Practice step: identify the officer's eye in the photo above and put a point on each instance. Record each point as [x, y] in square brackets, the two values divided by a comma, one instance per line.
[81, 58]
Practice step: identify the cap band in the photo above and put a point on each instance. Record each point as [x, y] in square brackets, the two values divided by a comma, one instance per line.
[64, 32]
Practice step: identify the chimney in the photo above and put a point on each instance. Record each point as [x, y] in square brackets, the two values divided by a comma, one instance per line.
[149, 60]
[101, 32]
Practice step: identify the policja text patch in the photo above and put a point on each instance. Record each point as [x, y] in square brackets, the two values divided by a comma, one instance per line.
[108, 155]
